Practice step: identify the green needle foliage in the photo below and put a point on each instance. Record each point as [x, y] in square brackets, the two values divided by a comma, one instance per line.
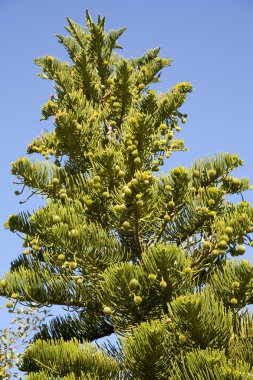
[151, 257]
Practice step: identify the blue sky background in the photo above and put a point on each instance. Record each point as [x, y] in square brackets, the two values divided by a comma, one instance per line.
[210, 41]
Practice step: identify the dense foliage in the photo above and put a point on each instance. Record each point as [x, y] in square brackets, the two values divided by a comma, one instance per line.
[151, 257]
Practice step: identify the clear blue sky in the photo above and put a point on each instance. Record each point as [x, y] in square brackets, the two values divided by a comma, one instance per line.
[210, 41]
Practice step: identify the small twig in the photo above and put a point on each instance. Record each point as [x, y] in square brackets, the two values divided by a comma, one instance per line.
[160, 233]
[45, 366]
[241, 194]
[33, 193]
[200, 259]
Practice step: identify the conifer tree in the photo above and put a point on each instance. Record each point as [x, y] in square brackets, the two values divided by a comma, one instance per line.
[150, 257]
